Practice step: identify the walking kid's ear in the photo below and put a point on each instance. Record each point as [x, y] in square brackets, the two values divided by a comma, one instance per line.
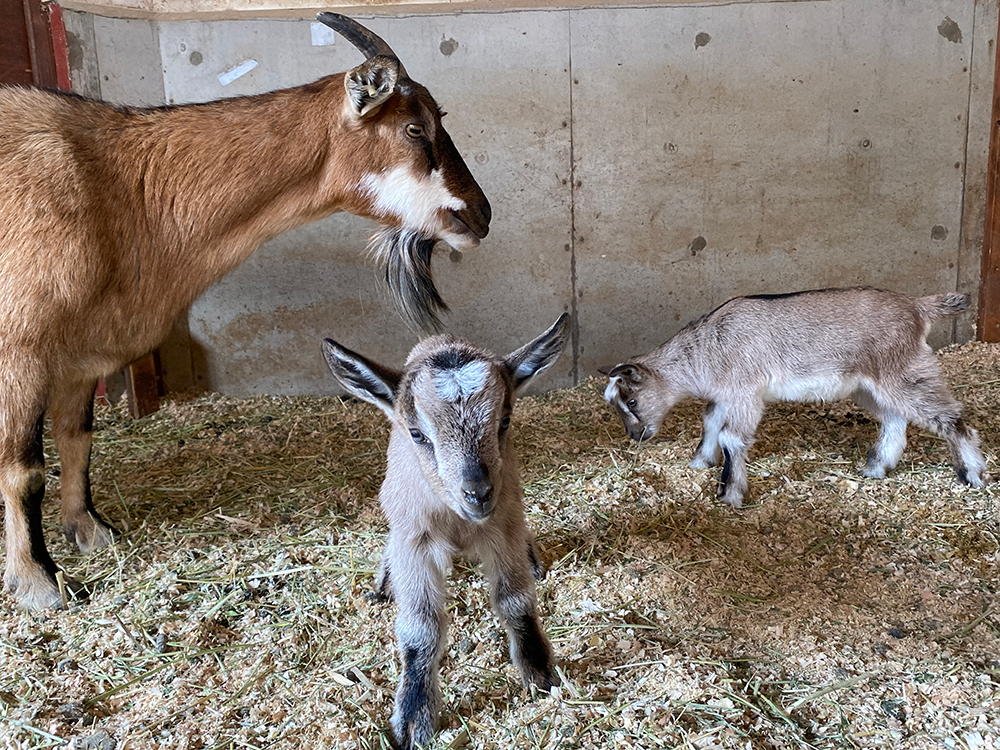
[632, 373]
[363, 378]
[537, 355]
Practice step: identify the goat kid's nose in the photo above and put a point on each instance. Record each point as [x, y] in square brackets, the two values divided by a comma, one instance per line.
[477, 491]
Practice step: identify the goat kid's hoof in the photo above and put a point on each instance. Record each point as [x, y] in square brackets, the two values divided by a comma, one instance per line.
[972, 480]
[378, 597]
[413, 734]
[545, 683]
[872, 472]
[700, 462]
[731, 497]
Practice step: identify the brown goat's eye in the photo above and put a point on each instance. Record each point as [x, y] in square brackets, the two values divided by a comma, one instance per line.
[504, 424]
[631, 403]
[418, 437]
[414, 131]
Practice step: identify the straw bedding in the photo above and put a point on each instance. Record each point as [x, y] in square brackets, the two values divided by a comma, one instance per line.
[832, 611]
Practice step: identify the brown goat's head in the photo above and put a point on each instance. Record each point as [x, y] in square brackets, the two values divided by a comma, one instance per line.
[412, 178]
[450, 409]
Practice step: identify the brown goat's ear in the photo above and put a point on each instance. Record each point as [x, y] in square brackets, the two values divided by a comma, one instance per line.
[605, 370]
[537, 355]
[363, 378]
[371, 83]
[629, 372]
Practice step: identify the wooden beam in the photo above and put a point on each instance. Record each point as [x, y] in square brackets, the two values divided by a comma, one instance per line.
[42, 55]
[988, 323]
[143, 385]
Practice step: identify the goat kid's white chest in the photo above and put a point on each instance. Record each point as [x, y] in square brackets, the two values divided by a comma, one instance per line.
[414, 200]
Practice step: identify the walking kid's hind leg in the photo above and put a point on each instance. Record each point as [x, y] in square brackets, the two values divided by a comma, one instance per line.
[382, 591]
[963, 442]
[888, 448]
[30, 573]
[929, 404]
[72, 428]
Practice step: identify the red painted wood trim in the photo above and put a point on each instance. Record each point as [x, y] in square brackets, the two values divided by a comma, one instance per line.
[60, 47]
[988, 323]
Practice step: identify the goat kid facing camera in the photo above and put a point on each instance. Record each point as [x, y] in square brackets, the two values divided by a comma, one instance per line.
[821, 345]
[452, 485]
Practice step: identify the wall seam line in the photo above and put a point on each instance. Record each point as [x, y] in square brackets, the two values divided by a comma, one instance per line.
[574, 307]
[965, 169]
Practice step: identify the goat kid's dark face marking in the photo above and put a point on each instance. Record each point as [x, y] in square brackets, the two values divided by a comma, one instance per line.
[456, 408]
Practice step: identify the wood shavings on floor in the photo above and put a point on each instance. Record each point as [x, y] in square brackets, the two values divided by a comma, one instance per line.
[832, 611]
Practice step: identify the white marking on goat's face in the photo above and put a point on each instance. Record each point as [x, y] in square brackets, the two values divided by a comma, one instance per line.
[421, 203]
[463, 382]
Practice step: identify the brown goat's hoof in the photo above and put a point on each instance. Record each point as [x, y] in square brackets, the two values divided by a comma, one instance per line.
[91, 534]
[40, 592]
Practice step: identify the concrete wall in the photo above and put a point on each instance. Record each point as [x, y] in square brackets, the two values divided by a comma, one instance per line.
[644, 165]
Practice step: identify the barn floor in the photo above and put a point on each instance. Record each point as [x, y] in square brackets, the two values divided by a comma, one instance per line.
[832, 611]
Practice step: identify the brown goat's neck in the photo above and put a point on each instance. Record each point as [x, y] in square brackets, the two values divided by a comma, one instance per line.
[193, 190]
[216, 180]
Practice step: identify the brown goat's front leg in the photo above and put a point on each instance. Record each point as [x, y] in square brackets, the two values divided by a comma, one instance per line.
[72, 428]
[418, 586]
[30, 573]
[513, 594]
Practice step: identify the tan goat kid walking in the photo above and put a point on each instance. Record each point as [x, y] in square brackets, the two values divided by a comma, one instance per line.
[452, 485]
[822, 345]
[113, 220]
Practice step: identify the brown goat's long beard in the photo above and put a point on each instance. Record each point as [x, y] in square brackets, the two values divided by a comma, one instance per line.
[405, 259]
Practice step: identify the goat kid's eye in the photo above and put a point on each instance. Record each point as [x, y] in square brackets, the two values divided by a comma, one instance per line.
[418, 437]
[414, 131]
[631, 403]
[504, 424]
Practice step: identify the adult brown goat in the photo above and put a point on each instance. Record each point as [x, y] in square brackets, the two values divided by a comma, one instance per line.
[113, 220]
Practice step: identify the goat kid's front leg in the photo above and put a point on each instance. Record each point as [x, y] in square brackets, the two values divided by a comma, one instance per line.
[418, 587]
[513, 593]
[73, 428]
[735, 439]
[713, 417]
[382, 590]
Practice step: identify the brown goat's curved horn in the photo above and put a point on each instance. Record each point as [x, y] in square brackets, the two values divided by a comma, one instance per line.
[367, 41]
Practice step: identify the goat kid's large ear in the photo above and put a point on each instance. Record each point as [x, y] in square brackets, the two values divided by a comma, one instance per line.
[534, 357]
[631, 373]
[371, 83]
[363, 378]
